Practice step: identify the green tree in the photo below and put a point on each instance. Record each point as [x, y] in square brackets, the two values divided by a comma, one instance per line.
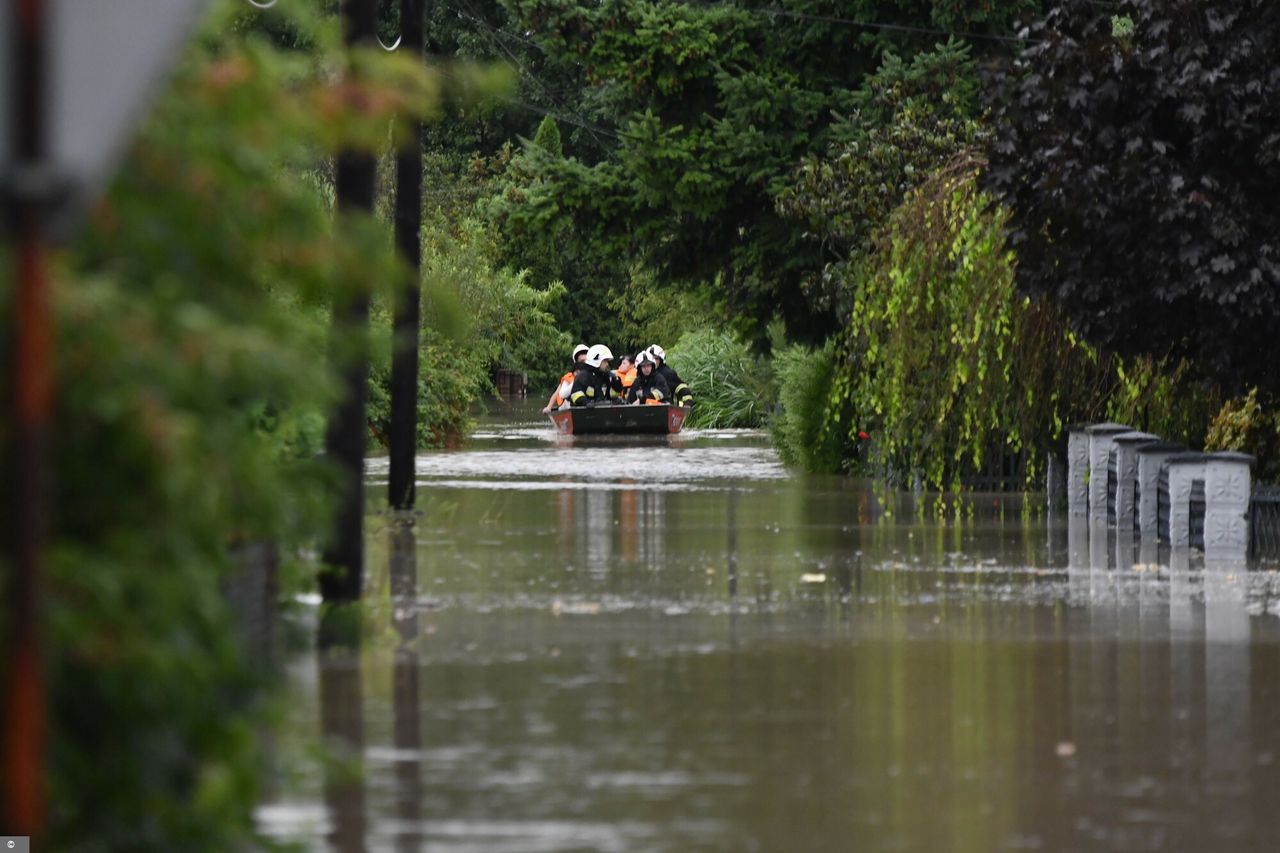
[943, 361]
[193, 384]
[708, 110]
[912, 119]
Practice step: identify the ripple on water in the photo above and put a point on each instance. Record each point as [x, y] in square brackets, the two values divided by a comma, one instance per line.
[557, 467]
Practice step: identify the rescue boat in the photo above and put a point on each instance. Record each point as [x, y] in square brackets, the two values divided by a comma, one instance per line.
[626, 420]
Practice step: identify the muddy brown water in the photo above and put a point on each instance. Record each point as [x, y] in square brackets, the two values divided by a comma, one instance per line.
[679, 645]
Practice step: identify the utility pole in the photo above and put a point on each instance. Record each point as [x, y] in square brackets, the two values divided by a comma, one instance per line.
[346, 436]
[407, 319]
[30, 415]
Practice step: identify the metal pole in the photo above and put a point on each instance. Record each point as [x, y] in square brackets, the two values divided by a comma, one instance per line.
[24, 696]
[404, 360]
[346, 435]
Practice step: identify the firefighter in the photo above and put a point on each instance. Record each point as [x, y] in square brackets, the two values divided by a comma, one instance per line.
[680, 393]
[560, 396]
[650, 388]
[593, 384]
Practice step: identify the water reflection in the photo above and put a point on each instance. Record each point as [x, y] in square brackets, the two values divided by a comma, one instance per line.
[731, 547]
[1228, 673]
[342, 726]
[764, 663]
[406, 700]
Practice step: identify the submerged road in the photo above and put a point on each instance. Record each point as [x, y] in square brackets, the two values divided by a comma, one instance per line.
[679, 645]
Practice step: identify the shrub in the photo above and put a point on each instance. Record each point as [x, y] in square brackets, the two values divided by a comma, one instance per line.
[802, 430]
[476, 318]
[1161, 397]
[485, 311]
[192, 382]
[731, 387]
[450, 387]
[1244, 425]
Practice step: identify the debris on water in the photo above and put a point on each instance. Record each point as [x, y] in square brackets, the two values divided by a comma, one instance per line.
[1065, 749]
[813, 577]
[581, 608]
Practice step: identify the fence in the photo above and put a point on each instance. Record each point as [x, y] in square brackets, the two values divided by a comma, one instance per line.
[510, 383]
[1264, 523]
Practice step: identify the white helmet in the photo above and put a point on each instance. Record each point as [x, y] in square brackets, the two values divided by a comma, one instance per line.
[597, 354]
[658, 352]
[646, 357]
[579, 349]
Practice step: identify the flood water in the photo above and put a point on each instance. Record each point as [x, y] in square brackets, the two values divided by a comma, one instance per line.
[679, 645]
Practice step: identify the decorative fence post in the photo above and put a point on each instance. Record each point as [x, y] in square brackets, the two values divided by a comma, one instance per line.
[1184, 470]
[1126, 455]
[1101, 438]
[1227, 486]
[1077, 471]
[1151, 457]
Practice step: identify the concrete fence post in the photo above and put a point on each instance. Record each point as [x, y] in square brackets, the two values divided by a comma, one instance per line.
[1077, 471]
[1126, 454]
[1101, 440]
[1150, 459]
[1184, 470]
[1227, 488]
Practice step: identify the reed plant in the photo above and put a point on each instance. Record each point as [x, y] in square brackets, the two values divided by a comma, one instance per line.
[732, 387]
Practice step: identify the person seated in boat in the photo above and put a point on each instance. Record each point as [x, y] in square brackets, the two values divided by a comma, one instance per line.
[680, 393]
[560, 396]
[593, 384]
[626, 374]
[650, 388]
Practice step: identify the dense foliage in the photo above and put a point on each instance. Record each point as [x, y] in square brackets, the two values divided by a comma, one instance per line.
[804, 433]
[550, 255]
[1142, 161]
[657, 162]
[193, 386]
[733, 387]
[476, 317]
[935, 308]
[1244, 426]
[704, 111]
[913, 118]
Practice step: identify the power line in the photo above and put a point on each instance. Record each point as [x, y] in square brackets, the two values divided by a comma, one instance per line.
[534, 108]
[873, 25]
[490, 32]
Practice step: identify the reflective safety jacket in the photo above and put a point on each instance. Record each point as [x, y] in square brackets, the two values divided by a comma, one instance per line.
[649, 389]
[680, 393]
[592, 385]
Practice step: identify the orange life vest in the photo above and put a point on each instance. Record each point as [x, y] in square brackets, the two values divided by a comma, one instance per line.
[626, 377]
[563, 389]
